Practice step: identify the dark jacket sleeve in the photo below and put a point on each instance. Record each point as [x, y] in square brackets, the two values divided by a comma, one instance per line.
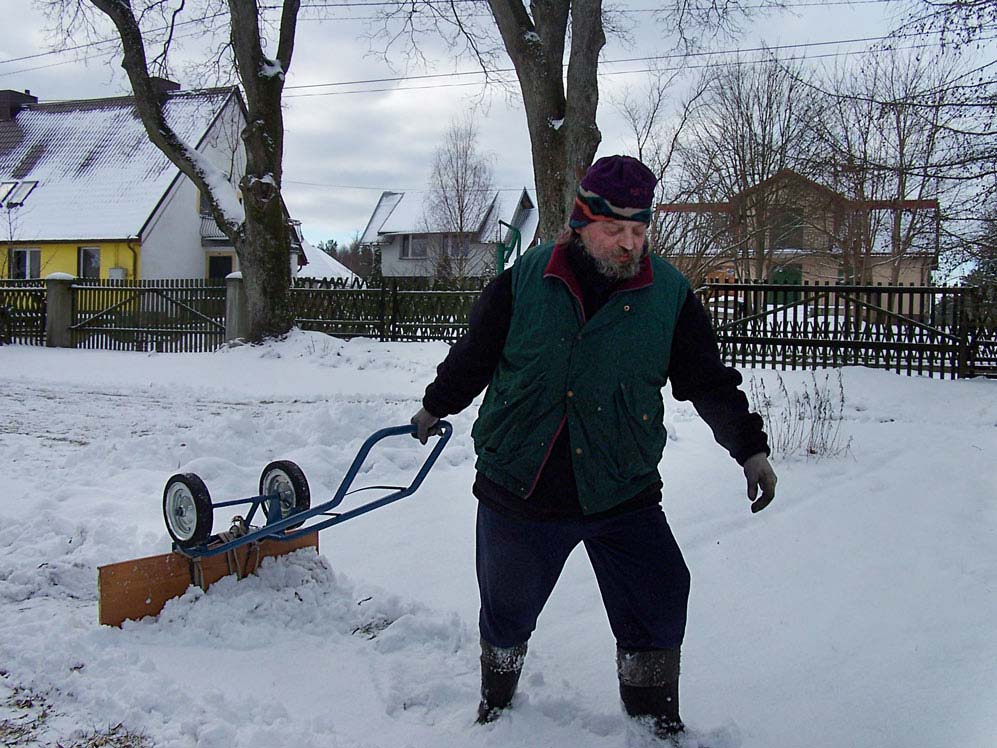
[469, 366]
[698, 375]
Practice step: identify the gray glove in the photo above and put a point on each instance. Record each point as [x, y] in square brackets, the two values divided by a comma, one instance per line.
[425, 425]
[759, 472]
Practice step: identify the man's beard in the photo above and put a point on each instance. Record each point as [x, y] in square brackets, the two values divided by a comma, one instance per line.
[618, 271]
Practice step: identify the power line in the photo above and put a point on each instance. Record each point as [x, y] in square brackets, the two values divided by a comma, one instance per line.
[672, 56]
[382, 3]
[602, 73]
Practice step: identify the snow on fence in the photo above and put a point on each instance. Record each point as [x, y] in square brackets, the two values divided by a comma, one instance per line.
[22, 312]
[932, 330]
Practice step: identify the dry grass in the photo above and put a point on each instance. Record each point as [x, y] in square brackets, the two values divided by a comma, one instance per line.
[805, 422]
[26, 717]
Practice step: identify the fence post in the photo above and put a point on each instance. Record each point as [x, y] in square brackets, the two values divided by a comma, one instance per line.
[965, 311]
[236, 310]
[58, 310]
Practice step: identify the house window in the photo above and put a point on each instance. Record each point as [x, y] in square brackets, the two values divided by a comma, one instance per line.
[414, 247]
[88, 262]
[203, 205]
[23, 264]
[458, 245]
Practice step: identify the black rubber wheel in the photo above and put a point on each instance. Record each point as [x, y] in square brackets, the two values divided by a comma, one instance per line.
[187, 510]
[285, 478]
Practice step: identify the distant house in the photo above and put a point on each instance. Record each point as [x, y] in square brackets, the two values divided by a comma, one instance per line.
[798, 230]
[83, 190]
[314, 263]
[412, 246]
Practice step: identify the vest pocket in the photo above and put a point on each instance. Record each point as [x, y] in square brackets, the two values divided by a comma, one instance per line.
[504, 427]
[642, 434]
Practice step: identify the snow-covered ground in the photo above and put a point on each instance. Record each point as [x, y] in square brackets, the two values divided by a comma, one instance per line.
[859, 610]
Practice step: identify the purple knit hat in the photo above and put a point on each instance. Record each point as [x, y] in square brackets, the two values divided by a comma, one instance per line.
[615, 188]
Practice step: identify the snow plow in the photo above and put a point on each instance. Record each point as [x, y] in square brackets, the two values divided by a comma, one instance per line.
[278, 520]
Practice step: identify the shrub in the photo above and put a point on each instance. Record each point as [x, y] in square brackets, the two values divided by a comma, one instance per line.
[805, 422]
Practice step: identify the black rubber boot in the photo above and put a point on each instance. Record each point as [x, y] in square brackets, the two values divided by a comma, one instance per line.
[649, 688]
[500, 670]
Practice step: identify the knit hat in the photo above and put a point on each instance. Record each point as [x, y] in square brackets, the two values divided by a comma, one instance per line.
[615, 188]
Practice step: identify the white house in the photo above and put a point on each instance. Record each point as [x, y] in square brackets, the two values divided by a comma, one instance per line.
[83, 190]
[317, 264]
[411, 246]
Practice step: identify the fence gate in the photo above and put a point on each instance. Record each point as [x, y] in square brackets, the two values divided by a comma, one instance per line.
[183, 315]
[22, 312]
[911, 330]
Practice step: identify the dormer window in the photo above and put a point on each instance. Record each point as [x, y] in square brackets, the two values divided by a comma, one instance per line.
[13, 194]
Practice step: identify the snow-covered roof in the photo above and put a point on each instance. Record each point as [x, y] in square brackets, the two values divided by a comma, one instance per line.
[321, 265]
[407, 216]
[98, 175]
[518, 208]
[404, 213]
[385, 204]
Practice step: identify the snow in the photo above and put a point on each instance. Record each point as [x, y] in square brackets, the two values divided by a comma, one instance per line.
[385, 205]
[60, 277]
[222, 190]
[407, 216]
[555, 124]
[321, 265]
[99, 176]
[271, 69]
[856, 611]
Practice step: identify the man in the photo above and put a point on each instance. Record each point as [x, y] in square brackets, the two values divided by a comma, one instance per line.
[575, 342]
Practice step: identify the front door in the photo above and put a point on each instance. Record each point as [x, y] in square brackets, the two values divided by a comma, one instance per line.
[219, 266]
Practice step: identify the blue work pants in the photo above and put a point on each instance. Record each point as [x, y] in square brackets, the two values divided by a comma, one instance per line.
[642, 576]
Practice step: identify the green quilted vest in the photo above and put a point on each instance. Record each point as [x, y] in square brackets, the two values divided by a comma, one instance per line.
[601, 379]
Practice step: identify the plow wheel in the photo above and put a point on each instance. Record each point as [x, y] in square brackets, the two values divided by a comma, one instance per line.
[285, 479]
[187, 510]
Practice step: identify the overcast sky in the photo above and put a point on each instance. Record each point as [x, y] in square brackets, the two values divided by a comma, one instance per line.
[345, 144]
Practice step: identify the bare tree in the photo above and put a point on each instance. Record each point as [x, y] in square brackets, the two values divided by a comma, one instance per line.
[461, 194]
[753, 121]
[697, 242]
[889, 146]
[257, 227]
[560, 92]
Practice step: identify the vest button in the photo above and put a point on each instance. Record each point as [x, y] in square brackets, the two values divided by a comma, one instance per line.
[644, 416]
[626, 307]
[570, 393]
[578, 450]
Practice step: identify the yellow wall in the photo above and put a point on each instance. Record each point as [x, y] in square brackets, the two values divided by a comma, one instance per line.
[61, 257]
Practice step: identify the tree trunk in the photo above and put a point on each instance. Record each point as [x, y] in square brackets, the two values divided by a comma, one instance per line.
[260, 234]
[561, 122]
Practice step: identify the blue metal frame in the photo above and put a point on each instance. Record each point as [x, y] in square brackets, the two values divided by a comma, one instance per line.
[276, 529]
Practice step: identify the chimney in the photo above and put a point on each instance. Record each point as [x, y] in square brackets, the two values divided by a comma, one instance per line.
[11, 102]
[163, 86]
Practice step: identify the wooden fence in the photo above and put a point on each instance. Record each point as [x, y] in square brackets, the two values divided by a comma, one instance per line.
[928, 330]
[22, 312]
[396, 311]
[935, 331]
[176, 316]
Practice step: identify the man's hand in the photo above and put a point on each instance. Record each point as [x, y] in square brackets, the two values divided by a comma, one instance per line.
[425, 425]
[759, 472]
